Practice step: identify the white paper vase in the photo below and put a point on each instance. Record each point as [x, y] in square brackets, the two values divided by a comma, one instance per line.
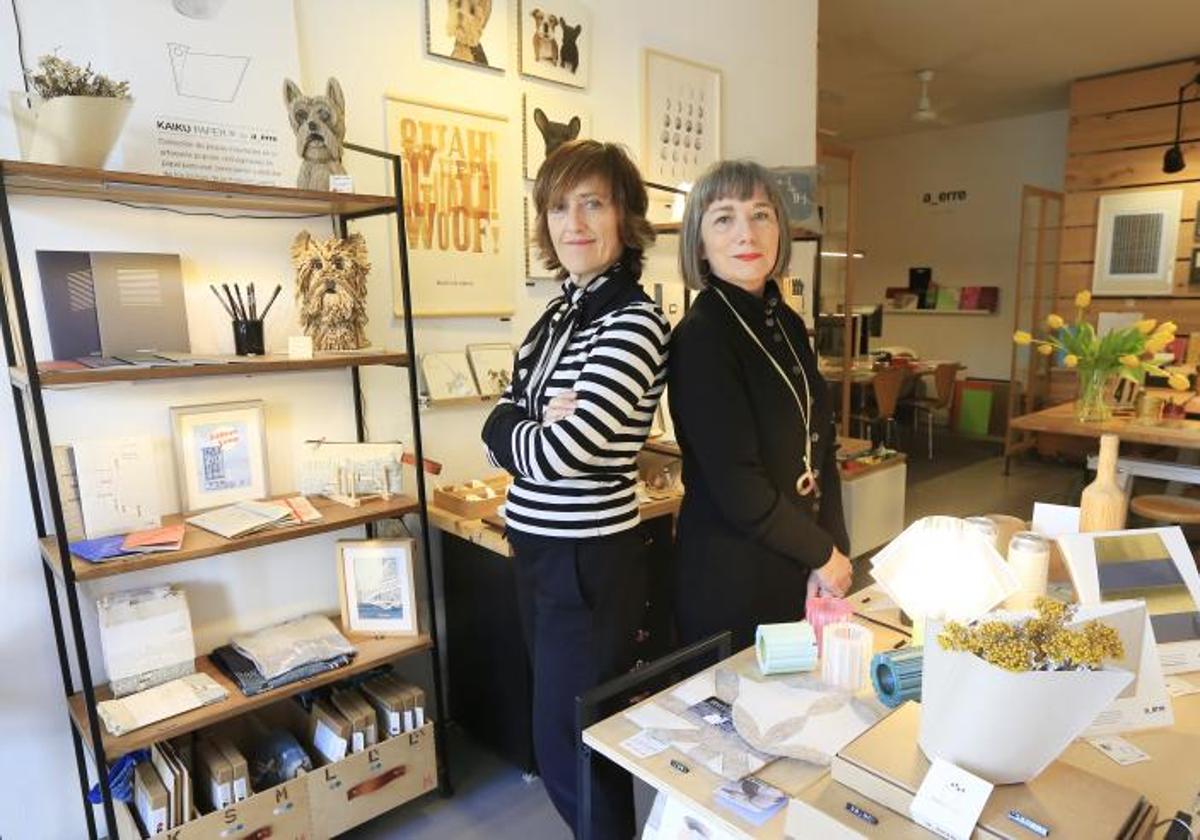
[1001, 725]
[68, 130]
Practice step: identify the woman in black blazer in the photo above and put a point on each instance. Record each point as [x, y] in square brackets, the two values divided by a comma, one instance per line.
[761, 524]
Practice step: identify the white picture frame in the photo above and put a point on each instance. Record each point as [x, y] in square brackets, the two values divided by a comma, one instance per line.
[681, 120]
[549, 119]
[377, 587]
[492, 365]
[464, 38]
[535, 268]
[448, 376]
[555, 41]
[220, 453]
[1136, 236]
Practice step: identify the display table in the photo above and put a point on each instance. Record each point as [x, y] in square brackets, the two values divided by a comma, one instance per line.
[1060, 420]
[1169, 780]
[490, 682]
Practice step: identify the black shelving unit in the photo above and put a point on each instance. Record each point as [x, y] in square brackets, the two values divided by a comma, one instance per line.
[20, 178]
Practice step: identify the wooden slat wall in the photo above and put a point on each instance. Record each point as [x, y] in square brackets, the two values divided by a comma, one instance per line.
[1120, 126]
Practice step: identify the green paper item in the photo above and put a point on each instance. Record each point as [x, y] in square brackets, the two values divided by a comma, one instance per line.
[975, 411]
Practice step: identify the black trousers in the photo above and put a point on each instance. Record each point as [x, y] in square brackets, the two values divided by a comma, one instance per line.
[581, 603]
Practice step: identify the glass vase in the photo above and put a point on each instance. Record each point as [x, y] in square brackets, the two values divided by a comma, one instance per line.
[1091, 405]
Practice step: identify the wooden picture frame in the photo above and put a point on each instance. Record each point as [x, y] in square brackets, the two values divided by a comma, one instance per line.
[377, 587]
[1136, 236]
[681, 120]
[1194, 268]
[220, 453]
[455, 203]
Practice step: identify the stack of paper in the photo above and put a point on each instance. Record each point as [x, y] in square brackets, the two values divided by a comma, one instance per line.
[243, 518]
[159, 703]
[167, 538]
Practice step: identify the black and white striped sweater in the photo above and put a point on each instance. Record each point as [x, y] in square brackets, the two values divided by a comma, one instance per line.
[576, 477]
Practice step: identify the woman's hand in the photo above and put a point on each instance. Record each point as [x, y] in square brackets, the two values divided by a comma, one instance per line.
[560, 407]
[835, 576]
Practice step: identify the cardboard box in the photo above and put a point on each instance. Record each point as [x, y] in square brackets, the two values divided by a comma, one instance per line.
[388, 702]
[237, 764]
[329, 732]
[151, 798]
[214, 775]
[363, 728]
[281, 813]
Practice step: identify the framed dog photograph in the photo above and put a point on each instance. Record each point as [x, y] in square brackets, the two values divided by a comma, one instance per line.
[470, 31]
[220, 453]
[447, 376]
[535, 269]
[549, 121]
[681, 125]
[492, 365]
[377, 587]
[459, 240]
[556, 41]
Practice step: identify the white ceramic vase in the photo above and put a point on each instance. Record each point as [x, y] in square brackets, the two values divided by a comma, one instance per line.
[68, 130]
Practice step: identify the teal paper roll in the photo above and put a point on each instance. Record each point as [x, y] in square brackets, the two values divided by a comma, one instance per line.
[786, 648]
[896, 675]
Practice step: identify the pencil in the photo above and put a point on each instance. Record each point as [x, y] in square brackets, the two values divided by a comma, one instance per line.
[241, 303]
[252, 308]
[232, 303]
[275, 294]
[221, 301]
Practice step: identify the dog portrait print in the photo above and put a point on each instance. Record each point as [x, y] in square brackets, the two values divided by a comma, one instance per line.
[470, 31]
[551, 119]
[555, 41]
[331, 290]
[319, 123]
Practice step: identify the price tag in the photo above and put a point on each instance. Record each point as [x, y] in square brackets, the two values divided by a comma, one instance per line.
[950, 800]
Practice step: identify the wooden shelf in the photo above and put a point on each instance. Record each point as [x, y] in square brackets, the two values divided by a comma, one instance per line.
[890, 312]
[372, 651]
[199, 543]
[23, 178]
[449, 402]
[244, 365]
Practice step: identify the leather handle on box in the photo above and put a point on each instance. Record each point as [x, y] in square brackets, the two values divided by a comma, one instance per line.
[375, 783]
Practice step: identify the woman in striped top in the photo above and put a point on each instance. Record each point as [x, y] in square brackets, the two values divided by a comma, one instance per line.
[586, 383]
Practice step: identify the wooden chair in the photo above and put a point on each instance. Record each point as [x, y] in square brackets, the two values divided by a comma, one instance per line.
[886, 386]
[943, 379]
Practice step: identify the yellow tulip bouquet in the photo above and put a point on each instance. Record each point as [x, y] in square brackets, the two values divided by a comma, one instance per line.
[1127, 353]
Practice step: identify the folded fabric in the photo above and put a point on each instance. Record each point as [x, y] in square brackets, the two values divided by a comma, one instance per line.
[246, 675]
[280, 648]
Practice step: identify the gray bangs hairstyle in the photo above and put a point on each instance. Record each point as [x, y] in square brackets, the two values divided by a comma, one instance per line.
[737, 179]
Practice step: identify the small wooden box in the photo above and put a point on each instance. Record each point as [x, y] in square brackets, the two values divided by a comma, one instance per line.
[283, 811]
[454, 498]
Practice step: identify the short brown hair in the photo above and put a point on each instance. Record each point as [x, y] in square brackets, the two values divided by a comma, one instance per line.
[574, 162]
[736, 179]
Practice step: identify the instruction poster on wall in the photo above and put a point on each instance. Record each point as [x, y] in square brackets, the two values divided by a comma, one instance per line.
[457, 238]
[206, 78]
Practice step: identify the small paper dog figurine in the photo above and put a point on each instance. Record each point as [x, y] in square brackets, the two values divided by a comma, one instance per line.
[320, 126]
[554, 134]
[465, 22]
[331, 290]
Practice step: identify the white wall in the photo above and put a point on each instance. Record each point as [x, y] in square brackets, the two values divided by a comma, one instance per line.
[767, 50]
[973, 243]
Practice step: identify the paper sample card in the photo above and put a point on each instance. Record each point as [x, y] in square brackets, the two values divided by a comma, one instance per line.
[1119, 750]
[118, 485]
[950, 800]
[643, 745]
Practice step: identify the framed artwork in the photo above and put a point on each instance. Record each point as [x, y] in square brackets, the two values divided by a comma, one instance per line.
[1135, 243]
[550, 120]
[377, 587]
[470, 31]
[458, 240]
[535, 269]
[556, 41]
[493, 367]
[220, 453]
[447, 376]
[681, 126]
[1194, 268]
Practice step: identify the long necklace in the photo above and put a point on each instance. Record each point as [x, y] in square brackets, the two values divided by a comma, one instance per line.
[807, 482]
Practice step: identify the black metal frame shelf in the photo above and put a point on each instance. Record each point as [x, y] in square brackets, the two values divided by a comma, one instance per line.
[28, 384]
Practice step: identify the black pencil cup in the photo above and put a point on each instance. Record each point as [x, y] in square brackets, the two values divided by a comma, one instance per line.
[248, 338]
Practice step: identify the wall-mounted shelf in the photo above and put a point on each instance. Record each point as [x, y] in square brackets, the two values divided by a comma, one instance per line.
[888, 313]
[199, 543]
[236, 366]
[448, 402]
[23, 178]
[371, 652]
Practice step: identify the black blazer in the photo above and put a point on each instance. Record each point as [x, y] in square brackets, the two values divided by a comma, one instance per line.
[747, 539]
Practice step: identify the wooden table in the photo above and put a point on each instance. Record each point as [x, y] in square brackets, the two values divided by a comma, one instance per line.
[865, 375]
[1162, 779]
[1060, 420]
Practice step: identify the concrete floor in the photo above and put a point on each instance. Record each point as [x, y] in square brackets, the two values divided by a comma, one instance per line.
[493, 801]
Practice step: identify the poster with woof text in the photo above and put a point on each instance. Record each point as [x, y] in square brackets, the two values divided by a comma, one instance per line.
[457, 237]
